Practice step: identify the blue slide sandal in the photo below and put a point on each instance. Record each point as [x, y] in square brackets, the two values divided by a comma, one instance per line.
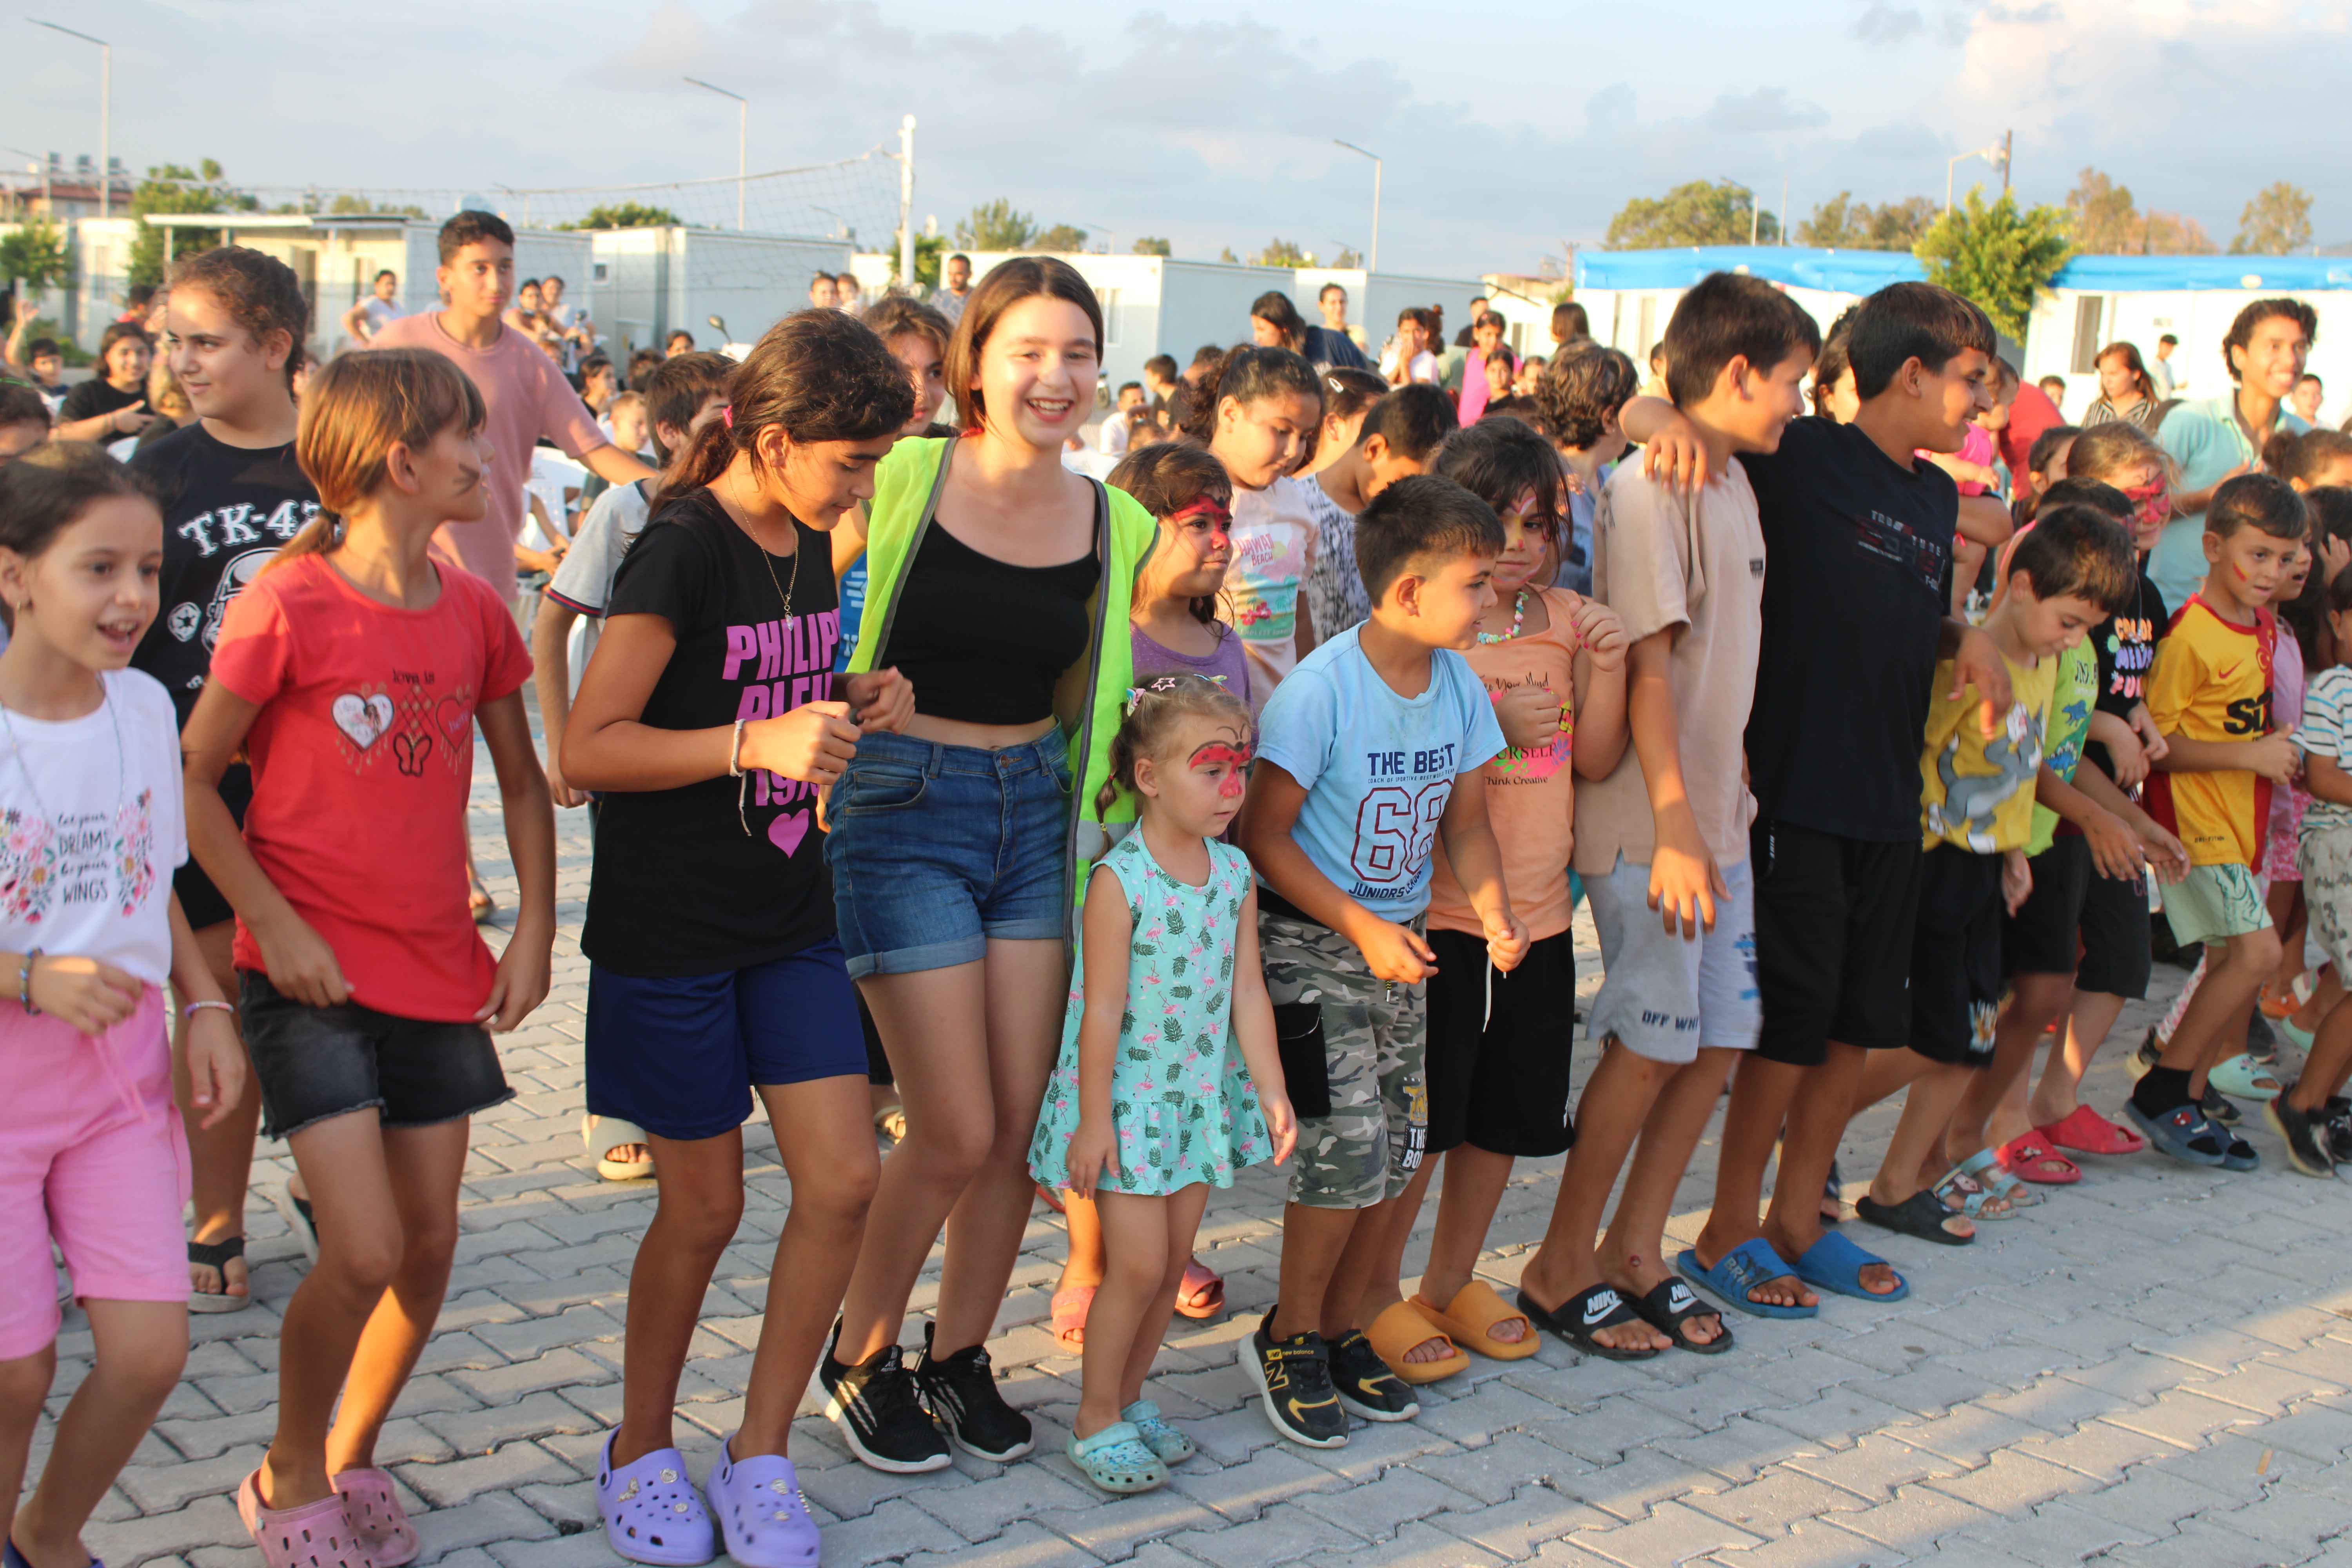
[1741, 1270]
[1834, 1263]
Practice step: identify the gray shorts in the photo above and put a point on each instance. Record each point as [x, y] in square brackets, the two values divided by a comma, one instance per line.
[2326, 861]
[1665, 996]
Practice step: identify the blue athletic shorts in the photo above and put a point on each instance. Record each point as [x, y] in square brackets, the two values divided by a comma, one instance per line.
[680, 1056]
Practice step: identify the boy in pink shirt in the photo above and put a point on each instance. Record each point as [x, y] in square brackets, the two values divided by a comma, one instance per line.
[524, 391]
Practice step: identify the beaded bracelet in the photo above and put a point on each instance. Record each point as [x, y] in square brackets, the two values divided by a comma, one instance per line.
[193, 1008]
[24, 983]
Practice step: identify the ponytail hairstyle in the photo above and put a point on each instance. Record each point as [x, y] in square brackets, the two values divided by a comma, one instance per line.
[1275, 310]
[1248, 375]
[2129, 353]
[1007, 284]
[1167, 476]
[2301, 459]
[820, 374]
[355, 409]
[43, 493]
[1153, 711]
[259, 292]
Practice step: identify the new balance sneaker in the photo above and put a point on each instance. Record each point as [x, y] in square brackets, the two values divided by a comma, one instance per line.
[962, 1392]
[1294, 1378]
[1364, 1384]
[873, 1404]
[2306, 1138]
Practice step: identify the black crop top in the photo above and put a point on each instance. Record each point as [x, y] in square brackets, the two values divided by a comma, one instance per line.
[981, 640]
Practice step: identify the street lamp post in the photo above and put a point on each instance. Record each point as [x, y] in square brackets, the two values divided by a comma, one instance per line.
[1752, 215]
[742, 140]
[105, 111]
[907, 205]
[1997, 155]
[1372, 260]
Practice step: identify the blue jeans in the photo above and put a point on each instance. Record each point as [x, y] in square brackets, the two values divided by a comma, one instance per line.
[936, 849]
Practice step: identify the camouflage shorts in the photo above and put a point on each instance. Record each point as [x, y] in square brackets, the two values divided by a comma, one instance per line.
[1352, 1055]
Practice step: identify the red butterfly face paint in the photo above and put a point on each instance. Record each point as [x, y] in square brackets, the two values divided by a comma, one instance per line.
[1223, 753]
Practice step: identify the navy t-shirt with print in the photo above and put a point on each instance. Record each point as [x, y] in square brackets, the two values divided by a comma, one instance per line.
[1854, 605]
[682, 883]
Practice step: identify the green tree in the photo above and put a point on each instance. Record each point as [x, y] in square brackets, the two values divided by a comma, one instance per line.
[1061, 239]
[2105, 221]
[1279, 252]
[1228, 257]
[930, 251]
[36, 254]
[1843, 224]
[995, 226]
[349, 204]
[1347, 259]
[2277, 222]
[1996, 255]
[622, 215]
[1700, 212]
[1152, 245]
[169, 188]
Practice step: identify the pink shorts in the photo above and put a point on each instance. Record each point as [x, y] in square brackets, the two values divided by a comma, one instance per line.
[92, 1157]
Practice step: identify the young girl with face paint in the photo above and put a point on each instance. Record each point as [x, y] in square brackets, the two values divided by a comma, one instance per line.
[1149, 1107]
[1259, 414]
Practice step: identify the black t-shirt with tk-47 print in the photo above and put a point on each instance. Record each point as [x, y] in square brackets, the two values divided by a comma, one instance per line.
[226, 511]
[682, 884]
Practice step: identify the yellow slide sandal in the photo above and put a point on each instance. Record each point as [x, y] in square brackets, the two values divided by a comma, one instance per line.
[1470, 1317]
[1399, 1328]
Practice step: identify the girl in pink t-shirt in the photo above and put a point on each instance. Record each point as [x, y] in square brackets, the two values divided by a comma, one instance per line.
[92, 1156]
[353, 672]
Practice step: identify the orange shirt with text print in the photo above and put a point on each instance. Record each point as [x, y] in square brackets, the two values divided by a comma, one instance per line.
[2212, 682]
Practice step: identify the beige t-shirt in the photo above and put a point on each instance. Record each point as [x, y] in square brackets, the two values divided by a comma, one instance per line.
[1663, 559]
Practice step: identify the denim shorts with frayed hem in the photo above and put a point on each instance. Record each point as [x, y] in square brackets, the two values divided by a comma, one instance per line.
[317, 1062]
[936, 849]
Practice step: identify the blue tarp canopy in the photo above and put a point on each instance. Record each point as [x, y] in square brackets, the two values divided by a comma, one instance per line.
[1861, 272]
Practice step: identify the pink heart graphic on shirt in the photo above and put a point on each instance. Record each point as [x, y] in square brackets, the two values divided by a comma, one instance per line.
[455, 716]
[787, 832]
[363, 718]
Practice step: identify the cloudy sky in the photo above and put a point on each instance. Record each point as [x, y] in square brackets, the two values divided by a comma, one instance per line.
[1508, 129]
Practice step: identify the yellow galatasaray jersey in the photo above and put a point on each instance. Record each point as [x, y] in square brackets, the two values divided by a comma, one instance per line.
[2212, 682]
[1977, 794]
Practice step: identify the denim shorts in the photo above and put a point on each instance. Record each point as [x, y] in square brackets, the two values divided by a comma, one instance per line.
[936, 849]
[317, 1062]
[679, 1055]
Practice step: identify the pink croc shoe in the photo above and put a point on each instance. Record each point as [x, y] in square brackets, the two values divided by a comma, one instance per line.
[374, 1508]
[311, 1535]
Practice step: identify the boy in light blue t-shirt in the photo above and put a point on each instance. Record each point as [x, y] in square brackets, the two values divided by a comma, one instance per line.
[1367, 753]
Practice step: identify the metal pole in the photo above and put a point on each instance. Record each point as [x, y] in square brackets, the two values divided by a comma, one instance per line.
[2005, 149]
[1784, 209]
[105, 110]
[1372, 261]
[907, 203]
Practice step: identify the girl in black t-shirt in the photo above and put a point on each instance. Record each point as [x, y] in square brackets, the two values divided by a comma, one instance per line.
[231, 494]
[712, 719]
[113, 404]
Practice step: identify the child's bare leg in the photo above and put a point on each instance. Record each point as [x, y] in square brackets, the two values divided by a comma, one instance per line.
[1135, 1262]
[2228, 1042]
[834, 1168]
[425, 1165]
[697, 1210]
[1633, 1254]
[1927, 1113]
[2285, 901]
[1761, 1092]
[1609, 1116]
[23, 1388]
[2329, 1064]
[2325, 993]
[1386, 1286]
[141, 1347]
[1359, 1264]
[1083, 1265]
[2056, 1096]
[1183, 1210]
[2234, 972]
[2038, 998]
[361, 1250]
[1312, 1241]
[1474, 1181]
[220, 1158]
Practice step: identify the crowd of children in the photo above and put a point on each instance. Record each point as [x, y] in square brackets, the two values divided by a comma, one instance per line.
[1128, 834]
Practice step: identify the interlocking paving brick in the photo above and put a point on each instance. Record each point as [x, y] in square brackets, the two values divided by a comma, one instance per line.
[2148, 1368]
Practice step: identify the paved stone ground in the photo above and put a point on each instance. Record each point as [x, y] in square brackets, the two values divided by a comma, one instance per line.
[2151, 1369]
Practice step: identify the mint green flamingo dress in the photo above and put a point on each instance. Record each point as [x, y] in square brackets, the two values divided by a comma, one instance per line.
[1182, 1107]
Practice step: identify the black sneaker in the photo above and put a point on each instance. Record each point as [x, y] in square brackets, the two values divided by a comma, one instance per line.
[2219, 1109]
[1365, 1385]
[2305, 1134]
[873, 1404]
[1294, 1377]
[962, 1391]
[2262, 1040]
[2336, 1137]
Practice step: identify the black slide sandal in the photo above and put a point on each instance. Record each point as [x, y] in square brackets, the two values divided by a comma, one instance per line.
[215, 1256]
[1670, 1305]
[1600, 1307]
[1921, 1215]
